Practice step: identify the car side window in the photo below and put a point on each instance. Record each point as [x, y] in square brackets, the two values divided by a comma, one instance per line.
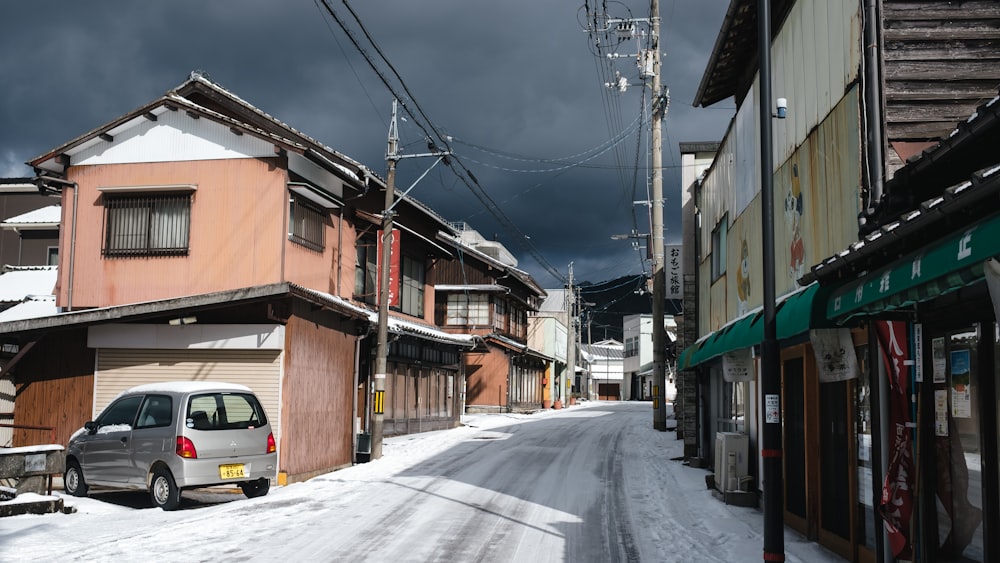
[119, 416]
[224, 411]
[155, 411]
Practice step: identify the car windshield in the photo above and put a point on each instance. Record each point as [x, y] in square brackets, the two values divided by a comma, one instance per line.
[224, 411]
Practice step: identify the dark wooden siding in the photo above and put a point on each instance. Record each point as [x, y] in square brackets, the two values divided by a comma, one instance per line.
[941, 60]
[54, 384]
[317, 394]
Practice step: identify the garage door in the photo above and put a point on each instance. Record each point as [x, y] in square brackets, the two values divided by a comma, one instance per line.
[609, 391]
[260, 370]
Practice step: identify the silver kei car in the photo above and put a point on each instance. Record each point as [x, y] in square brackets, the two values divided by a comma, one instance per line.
[167, 437]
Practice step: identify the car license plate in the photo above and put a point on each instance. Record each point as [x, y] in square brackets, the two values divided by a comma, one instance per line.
[232, 471]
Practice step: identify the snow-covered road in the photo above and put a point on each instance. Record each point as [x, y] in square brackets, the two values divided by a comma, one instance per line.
[589, 483]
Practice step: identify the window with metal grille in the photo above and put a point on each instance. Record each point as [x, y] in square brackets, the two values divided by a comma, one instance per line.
[147, 225]
[412, 294]
[305, 225]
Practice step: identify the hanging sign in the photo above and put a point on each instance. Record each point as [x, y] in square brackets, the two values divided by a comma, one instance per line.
[835, 356]
[737, 366]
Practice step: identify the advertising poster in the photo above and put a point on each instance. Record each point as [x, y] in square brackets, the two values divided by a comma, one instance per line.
[941, 412]
[940, 362]
[961, 394]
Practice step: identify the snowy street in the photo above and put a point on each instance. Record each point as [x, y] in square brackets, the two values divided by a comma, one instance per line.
[592, 482]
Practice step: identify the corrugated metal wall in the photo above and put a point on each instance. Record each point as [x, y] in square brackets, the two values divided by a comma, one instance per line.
[260, 370]
[815, 56]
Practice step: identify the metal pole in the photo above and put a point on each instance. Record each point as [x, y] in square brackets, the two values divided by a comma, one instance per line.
[382, 349]
[570, 342]
[656, 234]
[774, 526]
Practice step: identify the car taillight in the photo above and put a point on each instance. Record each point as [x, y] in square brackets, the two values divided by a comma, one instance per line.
[185, 448]
[271, 447]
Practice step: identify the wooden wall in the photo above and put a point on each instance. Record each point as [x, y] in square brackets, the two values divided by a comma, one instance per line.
[486, 376]
[54, 383]
[317, 394]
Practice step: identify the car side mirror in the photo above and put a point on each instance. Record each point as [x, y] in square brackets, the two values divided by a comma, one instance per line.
[90, 426]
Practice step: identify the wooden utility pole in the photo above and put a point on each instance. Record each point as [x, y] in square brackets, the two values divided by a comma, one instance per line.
[656, 233]
[382, 349]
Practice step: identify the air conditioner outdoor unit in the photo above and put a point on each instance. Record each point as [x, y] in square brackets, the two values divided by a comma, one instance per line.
[730, 460]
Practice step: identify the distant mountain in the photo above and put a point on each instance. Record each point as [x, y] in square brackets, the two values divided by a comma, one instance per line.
[613, 300]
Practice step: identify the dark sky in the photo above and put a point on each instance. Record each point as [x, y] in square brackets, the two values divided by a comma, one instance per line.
[514, 83]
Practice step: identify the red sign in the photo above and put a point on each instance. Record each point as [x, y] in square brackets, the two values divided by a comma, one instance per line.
[393, 267]
[896, 506]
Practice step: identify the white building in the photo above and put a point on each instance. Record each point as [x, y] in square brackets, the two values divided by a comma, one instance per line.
[637, 364]
[604, 362]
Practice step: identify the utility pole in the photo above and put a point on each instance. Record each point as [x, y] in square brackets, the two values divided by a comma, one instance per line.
[659, 275]
[392, 157]
[649, 70]
[774, 500]
[570, 339]
[382, 349]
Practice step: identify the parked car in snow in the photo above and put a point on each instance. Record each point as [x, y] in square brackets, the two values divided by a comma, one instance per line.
[167, 437]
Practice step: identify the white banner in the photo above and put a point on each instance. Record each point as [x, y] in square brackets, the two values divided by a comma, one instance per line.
[737, 365]
[835, 356]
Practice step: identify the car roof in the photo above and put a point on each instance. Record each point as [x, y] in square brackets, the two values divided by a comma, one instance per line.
[182, 387]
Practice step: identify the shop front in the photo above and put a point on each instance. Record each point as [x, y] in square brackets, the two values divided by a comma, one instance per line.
[926, 404]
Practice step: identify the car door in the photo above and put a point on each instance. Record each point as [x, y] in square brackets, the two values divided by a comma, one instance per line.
[153, 436]
[106, 453]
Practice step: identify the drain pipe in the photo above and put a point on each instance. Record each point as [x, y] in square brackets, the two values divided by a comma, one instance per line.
[43, 182]
[873, 104]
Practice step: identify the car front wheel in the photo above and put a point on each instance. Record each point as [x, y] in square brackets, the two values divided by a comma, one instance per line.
[164, 491]
[257, 488]
[73, 481]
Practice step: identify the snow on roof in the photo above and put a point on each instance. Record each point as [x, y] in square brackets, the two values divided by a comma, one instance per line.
[401, 326]
[17, 284]
[46, 216]
[32, 307]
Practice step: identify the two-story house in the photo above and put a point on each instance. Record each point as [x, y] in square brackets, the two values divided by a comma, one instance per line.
[547, 333]
[29, 245]
[604, 363]
[425, 371]
[202, 238]
[484, 294]
[637, 383]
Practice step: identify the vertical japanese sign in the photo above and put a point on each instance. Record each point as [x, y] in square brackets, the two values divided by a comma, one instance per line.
[393, 267]
[896, 506]
[675, 277]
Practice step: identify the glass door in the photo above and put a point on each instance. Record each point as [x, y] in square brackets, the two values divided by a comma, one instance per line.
[957, 454]
[865, 527]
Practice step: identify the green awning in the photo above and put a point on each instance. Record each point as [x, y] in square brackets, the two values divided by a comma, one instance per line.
[795, 314]
[937, 269]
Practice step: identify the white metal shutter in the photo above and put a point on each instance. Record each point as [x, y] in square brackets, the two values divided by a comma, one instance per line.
[119, 369]
[7, 392]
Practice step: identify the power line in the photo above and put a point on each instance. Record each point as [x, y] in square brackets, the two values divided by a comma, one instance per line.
[432, 133]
